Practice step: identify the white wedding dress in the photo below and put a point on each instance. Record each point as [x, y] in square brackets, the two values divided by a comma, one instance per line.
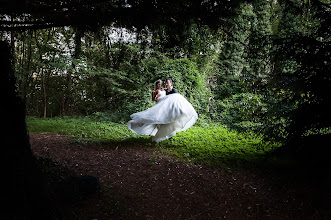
[171, 114]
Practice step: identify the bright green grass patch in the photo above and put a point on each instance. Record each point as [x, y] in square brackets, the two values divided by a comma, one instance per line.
[213, 143]
[216, 144]
[85, 129]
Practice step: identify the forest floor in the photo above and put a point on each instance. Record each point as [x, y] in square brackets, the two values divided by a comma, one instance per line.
[143, 182]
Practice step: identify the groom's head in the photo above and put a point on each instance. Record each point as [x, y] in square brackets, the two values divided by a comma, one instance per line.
[168, 82]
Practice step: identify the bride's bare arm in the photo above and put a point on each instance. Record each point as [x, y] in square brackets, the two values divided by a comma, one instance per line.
[154, 93]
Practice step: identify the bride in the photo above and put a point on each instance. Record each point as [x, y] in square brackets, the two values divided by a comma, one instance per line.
[171, 114]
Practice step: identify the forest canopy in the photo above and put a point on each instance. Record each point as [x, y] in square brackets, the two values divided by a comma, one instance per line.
[251, 65]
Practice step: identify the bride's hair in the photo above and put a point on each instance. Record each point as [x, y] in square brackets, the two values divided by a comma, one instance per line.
[157, 83]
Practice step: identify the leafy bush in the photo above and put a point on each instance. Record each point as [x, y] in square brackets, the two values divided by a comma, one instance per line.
[186, 79]
[242, 107]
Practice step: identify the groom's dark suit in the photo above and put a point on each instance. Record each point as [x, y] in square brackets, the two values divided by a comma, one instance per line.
[171, 91]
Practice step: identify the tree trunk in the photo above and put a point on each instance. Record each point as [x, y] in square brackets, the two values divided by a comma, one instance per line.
[44, 92]
[78, 42]
[28, 75]
[78, 48]
[42, 75]
[23, 187]
[67, 95]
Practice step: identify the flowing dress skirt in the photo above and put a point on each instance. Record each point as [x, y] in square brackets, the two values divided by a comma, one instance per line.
[172, 113]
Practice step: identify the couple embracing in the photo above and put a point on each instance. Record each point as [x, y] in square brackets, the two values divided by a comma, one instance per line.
[159, 91]
[171, 114]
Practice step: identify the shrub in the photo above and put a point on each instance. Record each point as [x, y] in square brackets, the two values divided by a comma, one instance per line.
[242, 107]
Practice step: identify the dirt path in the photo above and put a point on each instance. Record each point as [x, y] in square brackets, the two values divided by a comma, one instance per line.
[142, 183]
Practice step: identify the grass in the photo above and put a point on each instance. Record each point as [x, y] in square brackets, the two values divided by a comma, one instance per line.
[217, 144]
[85, 129]
[203, 143]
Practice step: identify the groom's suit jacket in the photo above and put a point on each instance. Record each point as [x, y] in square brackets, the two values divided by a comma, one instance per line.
[170, 92]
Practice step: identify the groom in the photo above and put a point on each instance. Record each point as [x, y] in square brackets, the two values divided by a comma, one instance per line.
[170, 89]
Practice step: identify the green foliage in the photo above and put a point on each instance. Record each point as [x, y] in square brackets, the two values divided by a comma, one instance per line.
[263, 69]
[187, 80]
[302, 59]
[242, 107]
[114, 77]
[244, 66]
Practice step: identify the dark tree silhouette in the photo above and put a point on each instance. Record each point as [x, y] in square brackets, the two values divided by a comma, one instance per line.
[23, 191]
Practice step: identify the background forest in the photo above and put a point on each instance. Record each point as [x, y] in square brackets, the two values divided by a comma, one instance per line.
[257, 72]
[267, 69]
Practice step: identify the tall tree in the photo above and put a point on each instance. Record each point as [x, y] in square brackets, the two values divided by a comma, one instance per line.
[303, 67]
[23, 191]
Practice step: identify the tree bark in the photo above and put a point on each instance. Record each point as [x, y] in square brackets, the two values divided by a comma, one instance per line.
[23, 187]
[44, 92]
[28, 75]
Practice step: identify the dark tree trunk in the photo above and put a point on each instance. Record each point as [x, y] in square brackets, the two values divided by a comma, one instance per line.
[44, 92]
[23, 185]
[78, 42]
